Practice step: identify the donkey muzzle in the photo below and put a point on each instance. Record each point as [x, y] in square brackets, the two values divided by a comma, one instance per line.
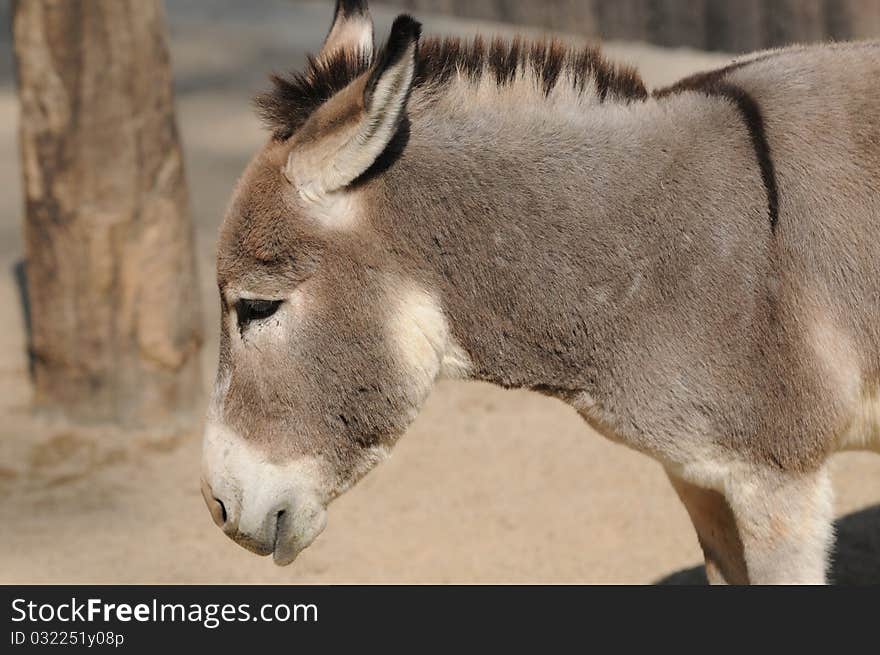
[261, 531]
[267, 508]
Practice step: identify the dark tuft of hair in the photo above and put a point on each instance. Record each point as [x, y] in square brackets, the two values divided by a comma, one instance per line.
[292, 99]
[504, 60]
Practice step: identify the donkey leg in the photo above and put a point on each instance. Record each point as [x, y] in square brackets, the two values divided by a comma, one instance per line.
[765, 529]
[785, 524]
[716, 532]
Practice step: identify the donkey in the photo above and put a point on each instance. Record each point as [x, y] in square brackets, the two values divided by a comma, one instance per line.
[696, 271]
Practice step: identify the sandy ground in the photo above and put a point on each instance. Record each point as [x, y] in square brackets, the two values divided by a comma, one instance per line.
[487, 486]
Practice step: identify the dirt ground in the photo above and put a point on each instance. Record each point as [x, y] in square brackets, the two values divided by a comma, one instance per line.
[487, 486]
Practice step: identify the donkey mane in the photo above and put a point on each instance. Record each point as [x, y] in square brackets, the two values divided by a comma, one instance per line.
[294, 97]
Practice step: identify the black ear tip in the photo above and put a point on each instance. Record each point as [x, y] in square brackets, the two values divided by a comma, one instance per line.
[405, 29]
[350, 8]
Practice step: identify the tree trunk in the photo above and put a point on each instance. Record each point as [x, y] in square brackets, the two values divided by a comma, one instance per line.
[111, 279]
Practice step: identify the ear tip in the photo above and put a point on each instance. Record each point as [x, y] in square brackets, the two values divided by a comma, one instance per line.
[349, 8]
[406, 28]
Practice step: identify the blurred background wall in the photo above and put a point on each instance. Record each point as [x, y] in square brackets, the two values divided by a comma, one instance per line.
[725, 25]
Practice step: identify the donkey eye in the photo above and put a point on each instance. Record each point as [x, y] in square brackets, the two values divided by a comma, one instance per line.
[252, 309]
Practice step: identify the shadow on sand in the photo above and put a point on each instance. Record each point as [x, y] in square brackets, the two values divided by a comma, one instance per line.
[856, 558]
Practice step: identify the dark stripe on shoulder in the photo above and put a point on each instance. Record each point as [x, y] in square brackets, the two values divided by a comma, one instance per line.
[751, 114]
[714, 83]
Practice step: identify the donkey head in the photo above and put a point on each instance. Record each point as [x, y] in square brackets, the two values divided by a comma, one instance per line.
[327, 349]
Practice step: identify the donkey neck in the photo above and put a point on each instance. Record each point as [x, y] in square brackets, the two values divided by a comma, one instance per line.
[557, 240]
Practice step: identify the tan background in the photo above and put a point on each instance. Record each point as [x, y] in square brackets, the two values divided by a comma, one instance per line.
[487, 486]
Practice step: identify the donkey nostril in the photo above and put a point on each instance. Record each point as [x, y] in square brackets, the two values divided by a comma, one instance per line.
[218, 511]
[215, 505]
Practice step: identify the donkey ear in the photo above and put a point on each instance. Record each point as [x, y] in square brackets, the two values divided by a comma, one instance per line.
[333, 161]
[352, 30]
